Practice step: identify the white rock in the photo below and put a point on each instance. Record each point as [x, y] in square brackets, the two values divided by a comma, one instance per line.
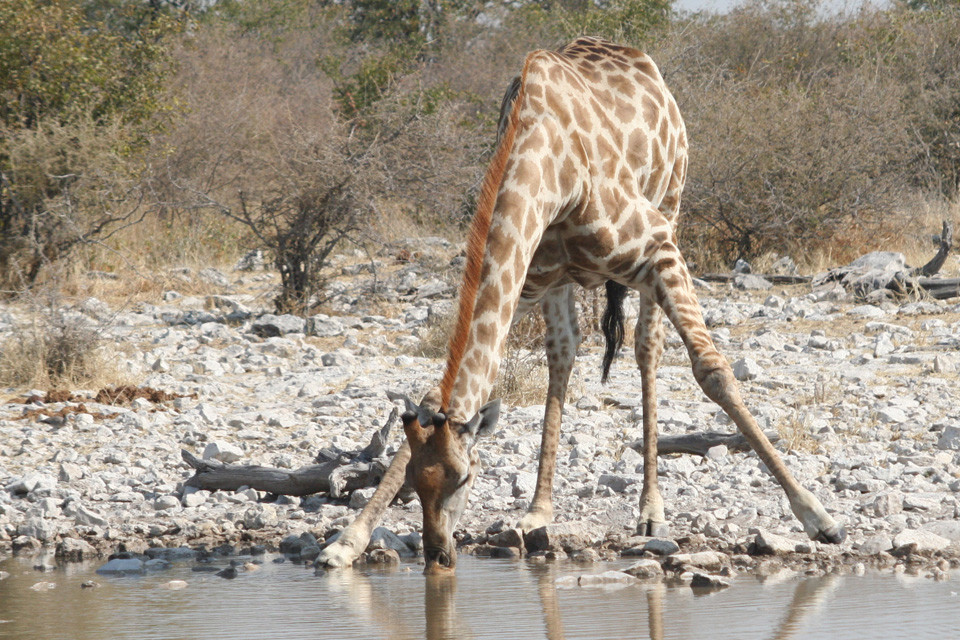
[921, 542]
[950, 439]
[164, 503]
[746, 369]
[222, 451]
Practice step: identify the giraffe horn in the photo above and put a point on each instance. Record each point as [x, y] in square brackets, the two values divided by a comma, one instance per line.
[413, 417]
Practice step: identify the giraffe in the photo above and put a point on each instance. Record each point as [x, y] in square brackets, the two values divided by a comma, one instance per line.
[584, 189]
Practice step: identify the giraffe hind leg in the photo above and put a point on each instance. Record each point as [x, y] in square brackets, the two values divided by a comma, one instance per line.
[672, 287]
[648, 346]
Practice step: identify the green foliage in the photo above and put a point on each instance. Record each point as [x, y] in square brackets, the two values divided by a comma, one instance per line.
[57, 64]
[79, 87]
[357, 92]
[626, 21]
[270, 19]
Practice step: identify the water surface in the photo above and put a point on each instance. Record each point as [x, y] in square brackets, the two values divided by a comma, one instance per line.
[488, 599]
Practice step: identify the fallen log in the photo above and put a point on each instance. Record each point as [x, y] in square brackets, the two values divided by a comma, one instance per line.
[699, 443]
[769, 277]
[337, 474]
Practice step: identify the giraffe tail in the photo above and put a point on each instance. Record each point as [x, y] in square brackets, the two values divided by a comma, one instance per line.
[612, 325]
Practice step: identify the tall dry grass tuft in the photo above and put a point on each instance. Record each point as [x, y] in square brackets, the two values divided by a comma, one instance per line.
[52, 347]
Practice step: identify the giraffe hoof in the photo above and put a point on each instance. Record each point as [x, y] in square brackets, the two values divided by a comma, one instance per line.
[653, 529]
[832, 537]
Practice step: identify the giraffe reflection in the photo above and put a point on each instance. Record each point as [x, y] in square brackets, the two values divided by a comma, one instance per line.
[807, 598]
[375, 603]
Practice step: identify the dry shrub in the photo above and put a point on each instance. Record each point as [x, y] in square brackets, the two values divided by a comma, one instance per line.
[64, 186]
[265, 145]
[522, 379]
[56, 348]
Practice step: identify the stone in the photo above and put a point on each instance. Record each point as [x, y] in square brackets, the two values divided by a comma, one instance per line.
[949, 439]
[718, 452]
[122, 566]
[645, 569]
[214, 277]
[709, 560]
[222, 451]
[708, 581]
[750, 282]
[943, 364]
[563, 536]
[585, 556]
[193, 497]
[920, 542]
[507, 538]
[30, 483]
[949, 529]
[171, 554]
[42, 529]
[89, 518]
[661, 546]
[746, 369]
[876, 544]
[25, 545]
[619, 482]
[260, 516]
[523, 485]
[70, 472]
[360, 497]
[272, 326]
[770, 544]
[383, 538]
[383, 556]
[74, 550]
[892, 415]
[886, 504]
[165, 503]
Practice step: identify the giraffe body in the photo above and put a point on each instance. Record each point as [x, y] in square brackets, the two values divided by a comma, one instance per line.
[585, 189]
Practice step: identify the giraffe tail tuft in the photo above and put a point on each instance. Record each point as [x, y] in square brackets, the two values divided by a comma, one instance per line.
[612, 325]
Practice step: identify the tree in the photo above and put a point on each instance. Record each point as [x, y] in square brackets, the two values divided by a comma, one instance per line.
[76, 95]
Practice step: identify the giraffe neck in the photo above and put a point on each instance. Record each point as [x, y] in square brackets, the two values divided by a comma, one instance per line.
[526, 204]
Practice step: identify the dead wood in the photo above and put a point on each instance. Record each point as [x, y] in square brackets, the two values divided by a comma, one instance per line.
[700, 443]
[337, 473]
[769, 277]
[946, 243]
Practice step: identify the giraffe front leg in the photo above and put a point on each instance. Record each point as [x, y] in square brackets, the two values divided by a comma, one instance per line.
[562, 340]
[648, 346]
[354, 539]
[673, 288]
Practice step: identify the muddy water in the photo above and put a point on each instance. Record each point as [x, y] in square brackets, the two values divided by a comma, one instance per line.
[488, 599]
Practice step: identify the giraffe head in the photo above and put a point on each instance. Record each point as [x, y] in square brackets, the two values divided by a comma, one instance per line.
[443, 465]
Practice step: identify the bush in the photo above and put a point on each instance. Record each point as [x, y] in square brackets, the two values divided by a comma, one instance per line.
[806, 129]
[52, 349]
[62, 184]
[76, 98]
[265, 143]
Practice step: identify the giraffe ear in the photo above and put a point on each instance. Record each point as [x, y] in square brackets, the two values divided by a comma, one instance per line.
[485, 422]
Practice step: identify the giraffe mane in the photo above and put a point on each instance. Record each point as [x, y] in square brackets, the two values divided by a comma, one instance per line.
[477, 238]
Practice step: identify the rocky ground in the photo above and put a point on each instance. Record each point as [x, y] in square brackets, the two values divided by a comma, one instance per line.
[864, 395]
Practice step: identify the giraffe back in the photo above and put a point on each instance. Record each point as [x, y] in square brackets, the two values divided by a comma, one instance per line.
[613, 102]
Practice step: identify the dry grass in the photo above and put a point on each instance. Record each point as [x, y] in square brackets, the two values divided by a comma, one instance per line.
[53, 350]
[522, 379]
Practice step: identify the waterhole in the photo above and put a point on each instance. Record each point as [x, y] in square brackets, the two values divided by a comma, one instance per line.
[487, 599]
